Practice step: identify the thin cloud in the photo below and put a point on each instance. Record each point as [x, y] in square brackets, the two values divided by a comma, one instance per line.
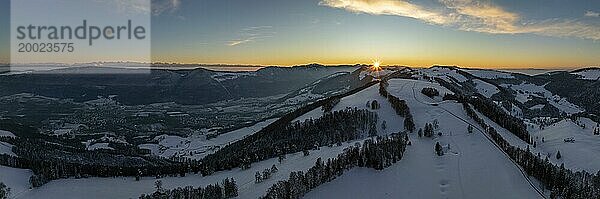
[238, 42]
[252, 34]
[130, 6]
[591, 14]
[478, 16]
[247, 40]
[254, 28]
[165, 6]
[470, 15]
[388, 7]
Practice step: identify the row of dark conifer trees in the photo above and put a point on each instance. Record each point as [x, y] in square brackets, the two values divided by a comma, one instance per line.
[562, 182]
[47, 169]
[377, 153]
[332, 128]
[399, 106]
[488, 108]
[227, 189]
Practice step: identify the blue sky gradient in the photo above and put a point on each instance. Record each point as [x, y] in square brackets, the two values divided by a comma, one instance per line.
[469, 33]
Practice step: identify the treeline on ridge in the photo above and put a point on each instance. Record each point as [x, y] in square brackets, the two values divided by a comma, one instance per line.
[331, 128]
[562, 182]
[227, 189]
[488, 108]
[399, 106]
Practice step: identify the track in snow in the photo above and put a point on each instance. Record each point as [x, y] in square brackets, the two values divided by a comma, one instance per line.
[523, 173]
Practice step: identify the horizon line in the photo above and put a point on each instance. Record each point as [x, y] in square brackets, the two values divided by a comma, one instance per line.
[226, 65]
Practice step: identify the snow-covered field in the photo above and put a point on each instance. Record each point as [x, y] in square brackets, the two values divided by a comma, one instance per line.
[4, 133]
[6, 148]
[590, 74]
[526, 90]
[196, 147]
[485, 89]
[471, 168]
[16, 179]
[579, 155]
[582, 154]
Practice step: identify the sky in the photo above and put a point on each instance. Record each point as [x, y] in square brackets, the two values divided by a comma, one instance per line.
[467, 33]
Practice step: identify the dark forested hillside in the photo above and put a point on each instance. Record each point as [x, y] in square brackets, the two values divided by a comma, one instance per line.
[185, 86]
[335, 127]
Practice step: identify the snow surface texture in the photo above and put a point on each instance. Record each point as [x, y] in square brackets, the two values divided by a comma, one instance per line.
[489, 74]
[196, 147]
[16, 179]
[6, 148]
[526, 90]
[471, 168]
[539, 106]
[590, 74]
[579, 155]
[4, 133]
[485, 89]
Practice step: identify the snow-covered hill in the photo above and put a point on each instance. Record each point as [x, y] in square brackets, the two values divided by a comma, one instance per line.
[589, 74]
[198, 146]
[527, 91]
[471, 168]
[472, 165]
[581, 153]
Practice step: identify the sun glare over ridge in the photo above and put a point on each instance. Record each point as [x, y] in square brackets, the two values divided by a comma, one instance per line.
[376, 65]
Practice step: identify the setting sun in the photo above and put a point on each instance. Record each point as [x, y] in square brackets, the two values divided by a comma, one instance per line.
[376, 66]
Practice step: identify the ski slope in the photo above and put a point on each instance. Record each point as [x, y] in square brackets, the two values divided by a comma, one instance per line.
[471, 168]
